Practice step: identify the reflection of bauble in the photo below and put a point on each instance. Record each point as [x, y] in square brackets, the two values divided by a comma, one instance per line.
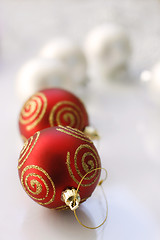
[38, 74]
[107, 49]
[70, 54]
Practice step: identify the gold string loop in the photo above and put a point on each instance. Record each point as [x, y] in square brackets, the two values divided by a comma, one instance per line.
[99, 184]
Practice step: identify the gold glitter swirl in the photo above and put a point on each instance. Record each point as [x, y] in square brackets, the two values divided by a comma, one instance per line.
[33, 111]
[93, 163]
[89, 161]
[34, 183]
[74, 133]
[66, 113]
[27, 149]
[38, 182]
[24, 147]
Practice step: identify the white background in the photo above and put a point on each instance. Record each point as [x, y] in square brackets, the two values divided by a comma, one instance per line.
[126, 116]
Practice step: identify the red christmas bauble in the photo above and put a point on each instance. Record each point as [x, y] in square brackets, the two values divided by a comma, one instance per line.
[55, 159]
[52, 107]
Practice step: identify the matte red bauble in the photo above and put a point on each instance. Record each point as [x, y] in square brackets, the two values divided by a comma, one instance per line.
[52, 107]
[56, 159]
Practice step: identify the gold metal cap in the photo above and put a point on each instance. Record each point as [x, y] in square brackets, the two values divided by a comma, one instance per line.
[71, 199]
[91, 133]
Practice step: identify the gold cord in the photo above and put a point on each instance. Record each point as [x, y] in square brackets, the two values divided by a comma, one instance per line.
[99, 184]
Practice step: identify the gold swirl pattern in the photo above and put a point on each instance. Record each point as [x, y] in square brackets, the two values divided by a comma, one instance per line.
[27, 149]
[33, 111]
[66, 113]
[89, 160]
[38, 184]
[74, 133]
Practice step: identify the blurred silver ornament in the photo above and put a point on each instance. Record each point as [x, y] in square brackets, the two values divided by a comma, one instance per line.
[38, 74]
[108, 50]
[71, 55]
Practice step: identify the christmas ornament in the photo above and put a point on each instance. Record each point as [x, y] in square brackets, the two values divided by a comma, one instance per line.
[52, 107]
[107, 49]
[38, 74]
[53, 162]
[71, 55]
